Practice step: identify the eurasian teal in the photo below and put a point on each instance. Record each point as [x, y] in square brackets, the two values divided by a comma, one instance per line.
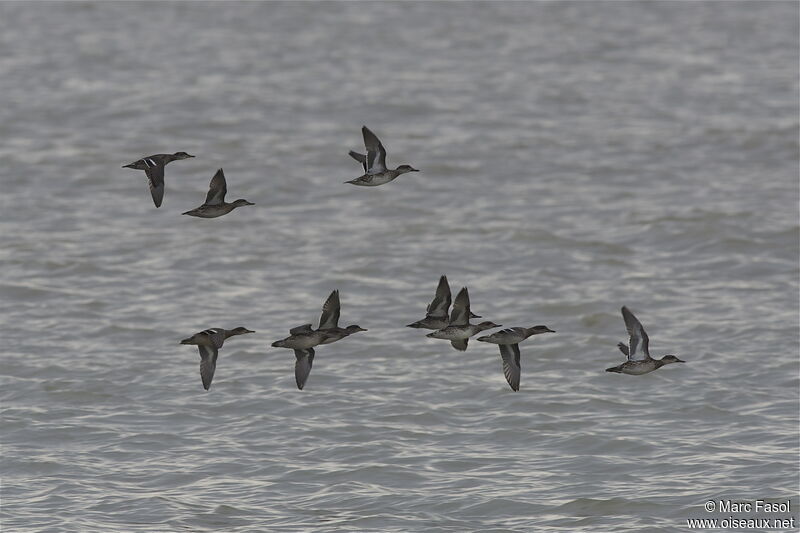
[374, 163]
[509, 340]
[329, 321]
[639, 360]
[459, 329]
[153, 166]
[215, 205]
[302, 340]
[209, 342]
[436, 316]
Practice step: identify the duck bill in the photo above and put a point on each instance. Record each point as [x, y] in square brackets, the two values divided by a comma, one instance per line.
[186, 341]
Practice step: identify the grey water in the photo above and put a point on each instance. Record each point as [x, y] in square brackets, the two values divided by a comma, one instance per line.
[575, 157]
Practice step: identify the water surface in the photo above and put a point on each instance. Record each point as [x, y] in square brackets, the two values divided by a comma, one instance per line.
[575, 158]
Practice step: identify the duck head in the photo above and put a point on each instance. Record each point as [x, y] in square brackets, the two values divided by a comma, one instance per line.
[180, 155]
[353, 329]
[402, 169]
[487, 325]
[671, 359]
[535, 330]
[241, 201]
[239, 331]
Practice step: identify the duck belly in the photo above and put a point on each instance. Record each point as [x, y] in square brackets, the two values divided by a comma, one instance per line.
[451, 334]
[300, 343]
[638, 369]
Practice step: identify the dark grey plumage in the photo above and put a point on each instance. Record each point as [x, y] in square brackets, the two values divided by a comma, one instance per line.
[459, 330]
[153, 166]
[508, 341]
[302, 366]
[638, 350]
[209, 342]
[215, 205]
[437, 312]
[374, 163]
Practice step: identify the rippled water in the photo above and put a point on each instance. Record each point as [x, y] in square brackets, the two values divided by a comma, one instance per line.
[575, 157]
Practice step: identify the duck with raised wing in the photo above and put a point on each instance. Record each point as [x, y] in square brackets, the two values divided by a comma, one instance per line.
[329, 321]
[638, 350]
[459, 330]
[209, 342]
[374, 163]
[508, 340]
[215, 205]
[436, 316]
[302, 340]
[153, 166]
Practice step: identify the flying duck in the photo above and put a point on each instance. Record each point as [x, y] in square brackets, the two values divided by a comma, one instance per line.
[209, 342]
[329, 321]
[302, 340]
[639, 360]
[436, 316]
[509, 340]
[153, 166]
[459, 330]
[374, 163]
[215, 205]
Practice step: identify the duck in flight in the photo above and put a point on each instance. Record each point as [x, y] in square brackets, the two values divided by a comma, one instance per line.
[374, 163]
[215, 205]
[638, 350]
[436, 316]
[329, 321]
[209, 342]
[302, 340]
[508, 340]
[459, 330]
[153, 166]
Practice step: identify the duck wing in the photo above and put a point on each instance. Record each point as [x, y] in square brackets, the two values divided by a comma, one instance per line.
[299, 330]
[302, 366]
[511, 366]
[459, 316]
[638, 337]
[460, 344]
[329, 318]
[623, 348]
[217, 189]
[361, 158]
[440, 305]
[155, 179]
[208, 363]
[376, 153]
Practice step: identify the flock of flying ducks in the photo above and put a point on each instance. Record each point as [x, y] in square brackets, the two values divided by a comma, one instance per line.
[449, 325]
